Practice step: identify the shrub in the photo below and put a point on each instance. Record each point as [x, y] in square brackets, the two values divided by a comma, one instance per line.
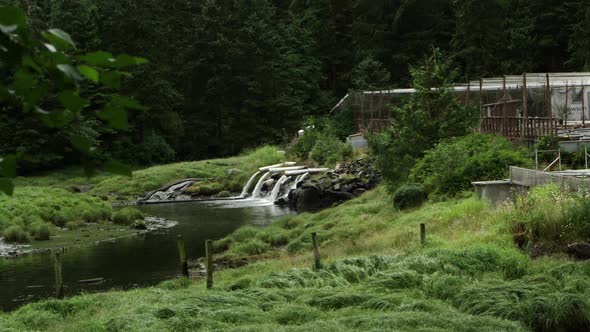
[41, 231]
[452, 165]
[305, 144]
[409, 196]
[127, 216]
[329, 150]
[15, 233]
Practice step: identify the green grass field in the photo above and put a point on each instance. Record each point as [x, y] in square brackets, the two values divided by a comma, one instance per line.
[375, 276]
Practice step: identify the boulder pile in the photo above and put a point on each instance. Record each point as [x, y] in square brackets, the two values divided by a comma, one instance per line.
[345, 182]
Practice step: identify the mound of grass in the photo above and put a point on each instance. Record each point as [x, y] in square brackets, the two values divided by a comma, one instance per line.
[37, 205]
[127, 215]
[252, 247]
[41, 231]
[16, 233]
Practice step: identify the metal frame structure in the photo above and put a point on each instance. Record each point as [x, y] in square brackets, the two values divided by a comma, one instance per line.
[516, 106]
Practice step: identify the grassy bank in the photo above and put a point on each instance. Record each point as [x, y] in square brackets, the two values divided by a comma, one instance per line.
[215, 170]
[375, 276]
[112, 187]
[45, 211]
[36, 213]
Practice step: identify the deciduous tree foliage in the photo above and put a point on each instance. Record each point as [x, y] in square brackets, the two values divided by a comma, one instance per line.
[51, 96]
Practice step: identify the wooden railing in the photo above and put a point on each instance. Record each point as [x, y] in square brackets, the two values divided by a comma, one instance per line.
[518, 127]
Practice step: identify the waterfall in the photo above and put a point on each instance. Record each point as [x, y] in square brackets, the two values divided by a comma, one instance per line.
[300, 179]
[256, 192]
[248, 184]
[277, 189]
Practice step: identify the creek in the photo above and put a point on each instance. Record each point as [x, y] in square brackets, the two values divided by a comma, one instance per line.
[135, 261]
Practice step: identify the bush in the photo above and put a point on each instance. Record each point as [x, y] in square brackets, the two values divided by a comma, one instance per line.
[329, 150]
[16, 233]
[41, 231]
[452, 165]
[305, 144]
[127, 216]
[409, 196]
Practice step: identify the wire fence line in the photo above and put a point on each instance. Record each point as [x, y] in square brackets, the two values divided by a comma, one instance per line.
[530, 178]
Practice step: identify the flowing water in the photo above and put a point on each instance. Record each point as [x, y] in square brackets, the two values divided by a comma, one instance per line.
[134, 261]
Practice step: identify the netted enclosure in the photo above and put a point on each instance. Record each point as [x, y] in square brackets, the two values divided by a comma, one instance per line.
[519, 107]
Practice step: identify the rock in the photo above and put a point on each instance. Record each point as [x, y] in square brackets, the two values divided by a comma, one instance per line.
[81, 188]
[334, 187]
[281, 201]
[268, 184]
[340, 196]
[159, 196]
[139, 224]
[359, 191]
[233, 171]
[580, 250]
[308, 199]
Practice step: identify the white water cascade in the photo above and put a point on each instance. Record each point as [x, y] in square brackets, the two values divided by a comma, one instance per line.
[300, 179]
[256, 192]
[247, 186]
[277, 188]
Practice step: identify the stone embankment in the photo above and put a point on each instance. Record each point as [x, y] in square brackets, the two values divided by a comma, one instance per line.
[345, 182]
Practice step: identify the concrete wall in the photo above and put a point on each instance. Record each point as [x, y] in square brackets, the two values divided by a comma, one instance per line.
[497, 191]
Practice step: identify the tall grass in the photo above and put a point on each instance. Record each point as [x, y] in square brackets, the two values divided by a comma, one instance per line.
[34, 211]
[468, 277]
[552, 216]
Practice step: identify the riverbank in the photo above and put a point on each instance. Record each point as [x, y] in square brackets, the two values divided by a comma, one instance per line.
[65, 208]
[469, 276]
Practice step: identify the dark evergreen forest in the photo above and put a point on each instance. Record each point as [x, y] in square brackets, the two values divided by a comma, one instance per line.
[226, 75]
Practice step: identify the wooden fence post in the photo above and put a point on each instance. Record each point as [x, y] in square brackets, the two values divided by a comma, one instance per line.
[422, 234]
[59, 287]
[182, 256]
[209, 254]
[316, 251]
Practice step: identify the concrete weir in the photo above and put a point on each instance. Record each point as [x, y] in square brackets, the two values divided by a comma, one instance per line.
[497, 191]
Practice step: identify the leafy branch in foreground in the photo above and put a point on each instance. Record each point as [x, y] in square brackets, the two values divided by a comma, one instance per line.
[45, 79]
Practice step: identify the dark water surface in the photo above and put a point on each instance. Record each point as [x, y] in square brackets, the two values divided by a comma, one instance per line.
[134, 261]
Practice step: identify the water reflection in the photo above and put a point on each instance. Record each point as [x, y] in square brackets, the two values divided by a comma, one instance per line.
[134, 261]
